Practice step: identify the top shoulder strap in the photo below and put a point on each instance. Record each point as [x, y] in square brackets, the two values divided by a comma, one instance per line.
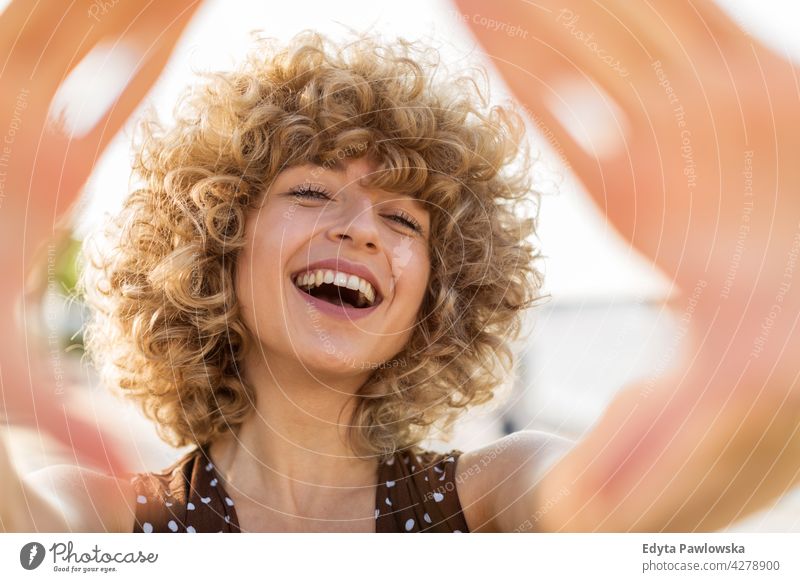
[186, 497]
[417, 493]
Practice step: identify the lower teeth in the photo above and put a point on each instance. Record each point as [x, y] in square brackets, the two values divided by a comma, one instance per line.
[339, 301]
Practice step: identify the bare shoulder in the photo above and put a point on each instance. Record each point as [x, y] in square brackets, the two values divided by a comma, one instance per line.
[76, 499]
[495, 482]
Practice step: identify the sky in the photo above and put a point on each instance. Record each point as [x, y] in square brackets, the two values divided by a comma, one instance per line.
[585, 260]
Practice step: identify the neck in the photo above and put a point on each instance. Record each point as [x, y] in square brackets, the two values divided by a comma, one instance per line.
[294, 445]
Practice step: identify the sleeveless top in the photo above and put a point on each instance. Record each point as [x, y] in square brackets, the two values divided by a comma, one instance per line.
[416, 492]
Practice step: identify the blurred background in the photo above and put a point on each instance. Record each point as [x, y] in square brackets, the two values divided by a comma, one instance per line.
[603, 325]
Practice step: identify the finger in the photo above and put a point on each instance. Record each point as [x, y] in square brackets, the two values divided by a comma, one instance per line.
[585, 39]
[711, 16]
[40, 149]
[564, 89]
[80, 155]
[31, 398]
[153, 63]
[567, 109]
[45, 41]
[675, 29]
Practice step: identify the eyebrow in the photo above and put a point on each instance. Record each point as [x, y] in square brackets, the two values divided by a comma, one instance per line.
[340, 169]
[415, 201]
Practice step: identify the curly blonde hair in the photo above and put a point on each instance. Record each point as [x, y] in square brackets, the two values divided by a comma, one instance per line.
[166, 327]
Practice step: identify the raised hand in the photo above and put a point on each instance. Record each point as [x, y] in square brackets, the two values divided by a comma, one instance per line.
[684, 131]
[42, 170]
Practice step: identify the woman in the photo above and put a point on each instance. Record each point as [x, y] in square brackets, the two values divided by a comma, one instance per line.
[303, 421]
[323, 261]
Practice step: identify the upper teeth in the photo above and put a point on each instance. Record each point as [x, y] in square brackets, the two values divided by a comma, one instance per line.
[316, 278]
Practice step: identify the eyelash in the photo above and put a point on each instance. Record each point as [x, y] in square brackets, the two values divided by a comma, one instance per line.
[311, 192]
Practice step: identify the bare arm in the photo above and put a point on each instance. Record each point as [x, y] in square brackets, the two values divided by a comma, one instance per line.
[44, 168]
[495, 482]
[42, 172]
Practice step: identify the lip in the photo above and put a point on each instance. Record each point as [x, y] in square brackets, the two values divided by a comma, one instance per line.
[346, 267]
[337, 311]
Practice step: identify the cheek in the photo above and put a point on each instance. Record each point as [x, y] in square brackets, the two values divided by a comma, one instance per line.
[257, 270]
[268, 241]
[411, 272]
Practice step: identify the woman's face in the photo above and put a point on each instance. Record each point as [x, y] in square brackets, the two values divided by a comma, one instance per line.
[333, 273]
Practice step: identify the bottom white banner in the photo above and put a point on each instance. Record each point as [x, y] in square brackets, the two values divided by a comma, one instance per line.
[390, 557]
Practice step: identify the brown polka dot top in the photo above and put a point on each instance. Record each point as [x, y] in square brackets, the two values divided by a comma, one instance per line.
[416, 492]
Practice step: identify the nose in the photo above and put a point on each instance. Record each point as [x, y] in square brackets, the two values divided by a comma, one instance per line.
[357, 223]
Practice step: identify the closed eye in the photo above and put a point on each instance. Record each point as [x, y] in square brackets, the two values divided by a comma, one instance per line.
[406, 220]
[310, 192]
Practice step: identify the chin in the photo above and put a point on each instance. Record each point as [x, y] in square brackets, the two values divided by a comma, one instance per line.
[337, 362]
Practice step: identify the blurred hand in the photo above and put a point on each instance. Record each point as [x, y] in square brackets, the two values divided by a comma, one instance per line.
[42, 170]
[685, 132]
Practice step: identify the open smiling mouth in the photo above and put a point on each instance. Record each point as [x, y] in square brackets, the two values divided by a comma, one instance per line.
[338, 288]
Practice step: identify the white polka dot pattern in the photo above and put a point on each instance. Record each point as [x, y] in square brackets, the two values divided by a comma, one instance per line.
[419, 494]
[189, 496]
[168, 503]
